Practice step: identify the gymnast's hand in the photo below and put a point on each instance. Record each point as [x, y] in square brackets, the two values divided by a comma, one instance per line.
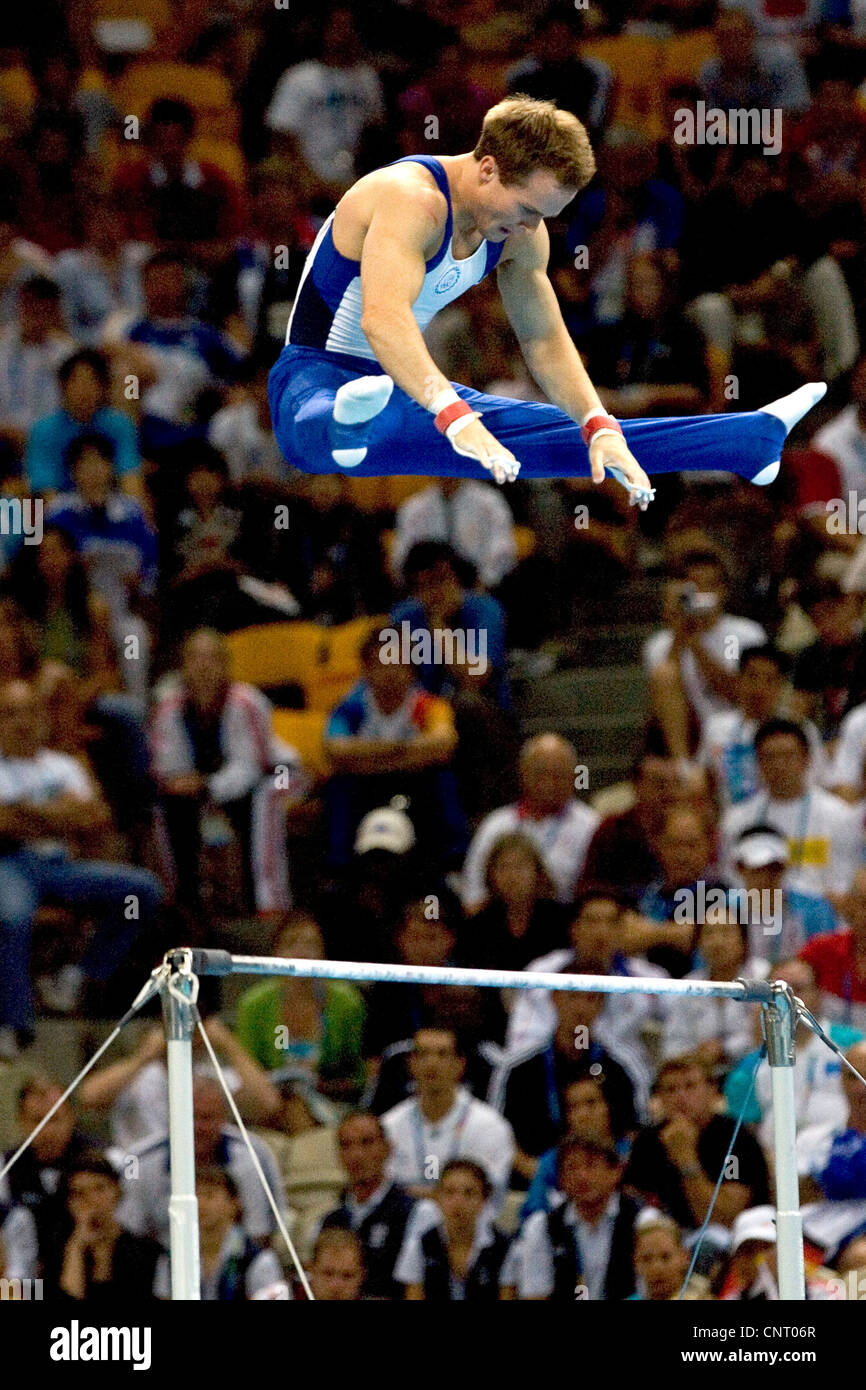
[474, 441]
[611, 451]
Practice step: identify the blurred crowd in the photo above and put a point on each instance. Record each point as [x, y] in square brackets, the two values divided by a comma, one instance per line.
[201, 741]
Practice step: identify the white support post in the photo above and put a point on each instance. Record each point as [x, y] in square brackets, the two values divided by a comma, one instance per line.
[178, 1000]
[780, 1022]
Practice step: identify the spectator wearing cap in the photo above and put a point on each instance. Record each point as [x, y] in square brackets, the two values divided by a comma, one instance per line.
[359, 923]
[829, 676]
[32, 348]
[372, 1205]
[359, 908]
[719, 1031]
[443, 1121]
[390, 737]
[838, 959]
[675, 1163]
[84, 379]
[305, 1033]
[547, 811]
[819, 1096]
[781, 919]
[586, 1241]
[752, 1269]
[532, 1091]
[824, 835]
[752, 1273]
[440, 601]
[598, 945]
[690, 663]
[460, 1255]
[727, 744]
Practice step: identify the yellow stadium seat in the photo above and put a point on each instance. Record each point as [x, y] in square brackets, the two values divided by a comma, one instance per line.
[685, 55]
[17, 90]
[635, 61]
[303, 729]
[156, 13]
[207, 91]
[278, 653]
[225, 154]
[524, 541]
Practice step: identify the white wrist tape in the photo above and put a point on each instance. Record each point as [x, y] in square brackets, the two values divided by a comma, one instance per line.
[596, 410]
[443, 398]
[598, 434]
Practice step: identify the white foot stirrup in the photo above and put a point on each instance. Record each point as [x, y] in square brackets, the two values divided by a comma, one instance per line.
[790, 410]
[355, 403]
[638, 496]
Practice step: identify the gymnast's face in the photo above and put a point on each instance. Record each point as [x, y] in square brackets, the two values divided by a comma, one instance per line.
[516, 209]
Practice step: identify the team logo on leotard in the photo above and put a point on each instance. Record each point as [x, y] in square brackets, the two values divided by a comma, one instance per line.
[447, 281]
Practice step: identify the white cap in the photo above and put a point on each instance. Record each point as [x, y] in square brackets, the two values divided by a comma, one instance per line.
[755, 1223]
[387, 828]
[763, 848]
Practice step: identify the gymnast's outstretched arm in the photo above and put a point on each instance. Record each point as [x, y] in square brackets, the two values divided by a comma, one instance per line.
[551, 356]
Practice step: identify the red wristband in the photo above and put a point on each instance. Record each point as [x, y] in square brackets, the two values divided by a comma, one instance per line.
[450, 413]
[597, 422]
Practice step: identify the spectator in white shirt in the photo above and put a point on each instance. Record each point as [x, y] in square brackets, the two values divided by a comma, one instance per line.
[728, 738]
[473, 518]
[825, 836]
[445, 1121]
[692, 662]
[599, 946]
[845, 776]
[457, 1254]
[717, 1030]
[31, 349]
[326, 103]
[843, 438]
[584, 1247]
[819, 1094]
[144, 1208]
[548, 812]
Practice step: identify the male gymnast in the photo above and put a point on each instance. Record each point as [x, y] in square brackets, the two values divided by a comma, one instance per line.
[355, 387]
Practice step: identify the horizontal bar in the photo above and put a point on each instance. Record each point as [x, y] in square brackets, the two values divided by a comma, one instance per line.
[758, 991]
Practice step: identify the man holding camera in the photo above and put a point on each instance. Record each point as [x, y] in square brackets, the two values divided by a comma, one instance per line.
[692, 663]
